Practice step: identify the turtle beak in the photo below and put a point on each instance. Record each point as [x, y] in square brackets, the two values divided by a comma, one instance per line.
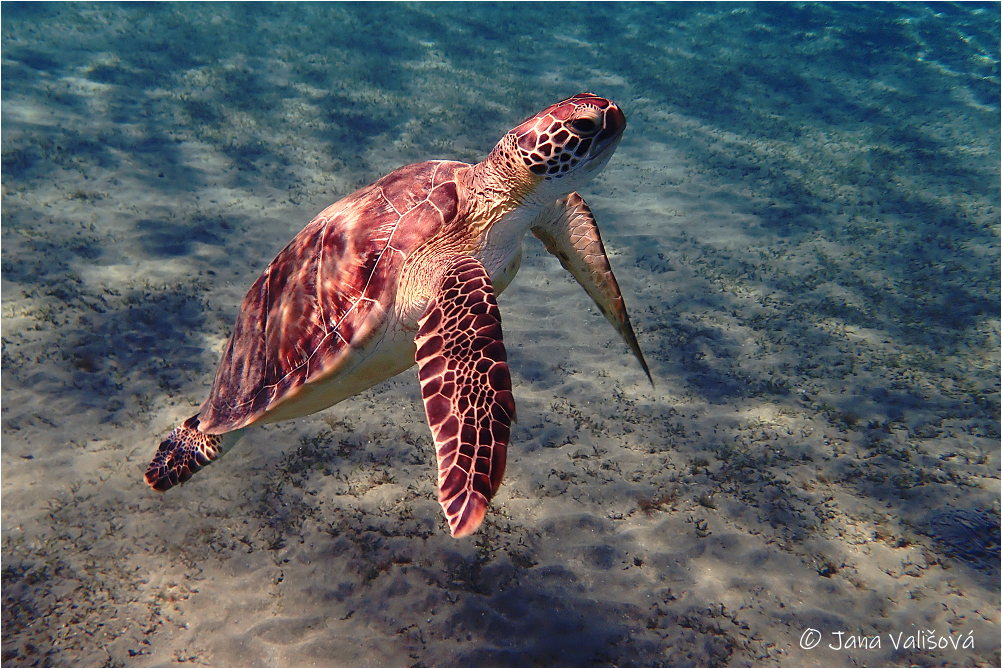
[607, 139]
[615, 121]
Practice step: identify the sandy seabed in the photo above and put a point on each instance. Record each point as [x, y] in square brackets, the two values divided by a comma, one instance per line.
[804, 218]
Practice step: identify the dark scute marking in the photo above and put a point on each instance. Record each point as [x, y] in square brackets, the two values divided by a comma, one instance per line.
[505, 400]
[471, 278]
[430, 347]
[432, 319]
[446, 199]
[538, 169]
[461, 324]
[469, 433]
[528, 140]
[571, 143]
[437, 408]
[431, 387]
[482, 484]
[501, 432]
[347, 329]
[499, 377]
[483, 365]
[335, 244]
[561, 111]
[453, 486]
[377, 280]
[408, 185]
[431, 367]
[449, 428]
[561, 136]
[264, 397]
[583, 147]
[447, 449]
[480, 343]
[484, 323]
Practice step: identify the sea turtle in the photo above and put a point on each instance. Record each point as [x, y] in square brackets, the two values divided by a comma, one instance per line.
[407, 270]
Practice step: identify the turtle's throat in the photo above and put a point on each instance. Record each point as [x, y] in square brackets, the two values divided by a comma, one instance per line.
[499, 184]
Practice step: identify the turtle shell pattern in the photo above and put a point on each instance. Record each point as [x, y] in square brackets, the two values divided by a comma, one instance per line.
[328, 292]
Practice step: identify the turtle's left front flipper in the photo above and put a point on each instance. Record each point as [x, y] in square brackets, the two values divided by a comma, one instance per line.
[466, 388]
[568, 230]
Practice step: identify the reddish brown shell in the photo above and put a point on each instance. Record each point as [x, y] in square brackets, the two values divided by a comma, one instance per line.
[317, 300]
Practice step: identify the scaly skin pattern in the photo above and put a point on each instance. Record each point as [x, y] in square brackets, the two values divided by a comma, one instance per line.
[181, 454]
[558, 139]
[406, 270]
[466, 388]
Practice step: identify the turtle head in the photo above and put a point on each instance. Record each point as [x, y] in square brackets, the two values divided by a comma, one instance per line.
[555, 151]
[576, 135]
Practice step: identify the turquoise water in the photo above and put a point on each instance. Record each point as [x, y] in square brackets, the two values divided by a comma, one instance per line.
[803, 215]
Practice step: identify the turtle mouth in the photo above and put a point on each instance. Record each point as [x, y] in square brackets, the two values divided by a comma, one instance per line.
[608, 139]
[606, 147]
[615, 121]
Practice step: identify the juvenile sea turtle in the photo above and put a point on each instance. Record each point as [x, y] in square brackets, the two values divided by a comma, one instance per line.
[406, 270]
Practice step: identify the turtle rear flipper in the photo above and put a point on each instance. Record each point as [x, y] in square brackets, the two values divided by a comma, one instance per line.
[466, 386]
[184, 452]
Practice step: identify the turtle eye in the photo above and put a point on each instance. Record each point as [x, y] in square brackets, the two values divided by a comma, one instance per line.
[584, 126]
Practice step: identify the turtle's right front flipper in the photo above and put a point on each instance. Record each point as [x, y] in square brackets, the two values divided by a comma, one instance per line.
[466, 388]
[568, 230]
